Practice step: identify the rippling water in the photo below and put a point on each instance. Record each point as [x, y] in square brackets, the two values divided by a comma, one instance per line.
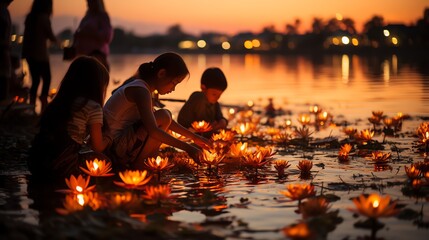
[348, 87]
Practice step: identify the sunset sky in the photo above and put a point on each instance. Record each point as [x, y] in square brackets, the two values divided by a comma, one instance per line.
[227, 16]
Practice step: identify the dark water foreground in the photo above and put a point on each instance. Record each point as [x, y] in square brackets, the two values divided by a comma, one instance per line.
[232, 203]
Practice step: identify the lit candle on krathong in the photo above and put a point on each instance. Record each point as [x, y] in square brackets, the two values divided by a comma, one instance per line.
[314, 109]
[343, 154]
[158, 164]
[299, 191]
[288, 123]
[250, 104]
[374, 206]
[412, 172]
[98, 168]
[280, 166]
[133, 179]
[304, 119]
[201, 126]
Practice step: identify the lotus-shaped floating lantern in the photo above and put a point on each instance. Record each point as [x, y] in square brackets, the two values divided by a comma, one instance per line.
[98, 168]
[255, 160]
[272, 131]
[280, 166]
[374, 206]
[315, 109]
[133, 179]
[412, 172]
[299, 191]
[343, 154]
[244, 128]
[313, 207]
[304, 119]
[77, 185]
[158, 164]
[224, 135]
[211, 158]
[305, 166]
[304, 134]
[378, 114]
[380, 158]
[201, 126]
[157, 194]
[238, 150]
[350, 132]
[282, 138]
[375, 120]
[364, 136]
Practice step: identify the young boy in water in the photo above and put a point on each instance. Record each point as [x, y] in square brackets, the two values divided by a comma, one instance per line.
[204, 105]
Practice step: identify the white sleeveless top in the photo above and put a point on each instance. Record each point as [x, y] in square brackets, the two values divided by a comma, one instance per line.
[120, 113]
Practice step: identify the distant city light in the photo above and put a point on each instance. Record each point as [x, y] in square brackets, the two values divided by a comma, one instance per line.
[345, 40]
[201, 44]
[187, 44]
[226, 45]
[20, 39]
[395, 41]
[13, 37]
[386, 32]
[335, 41]
[256, 43]
[248, 44]
[355, 41]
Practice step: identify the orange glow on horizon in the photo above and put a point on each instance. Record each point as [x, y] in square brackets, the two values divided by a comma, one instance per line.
[232, 17]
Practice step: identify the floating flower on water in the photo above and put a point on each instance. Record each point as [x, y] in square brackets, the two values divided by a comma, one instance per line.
[380, 158]
[388, 122]
[377, 114]
[281, 138]
[350, 132]
[297, 231]
[315, 109]
[305, 166]
[156, 194]
[374, 206]
[412, 172]
[158, 164]
[299, 191]
[244, 128]
[98, 168]
[322, 117]
[255, 159]
[303, 133]
[267, 152]
[304, 119]
[280, 166]
[343, 154]
[374, 120]
[238, 149]
[77, 185]
[224, 135]
[365, 136]
[201, 126]
[211, 158]
[133, 179]
[313, 207]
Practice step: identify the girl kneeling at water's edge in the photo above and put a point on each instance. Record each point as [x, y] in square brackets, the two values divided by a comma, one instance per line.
[136, 130]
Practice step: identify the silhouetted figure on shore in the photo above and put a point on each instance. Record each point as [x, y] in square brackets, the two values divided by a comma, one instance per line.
[35, 48]
[94, 33]
[5, 58]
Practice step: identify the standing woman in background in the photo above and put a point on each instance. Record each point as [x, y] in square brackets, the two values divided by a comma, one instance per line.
[94, 33]
[37, 32]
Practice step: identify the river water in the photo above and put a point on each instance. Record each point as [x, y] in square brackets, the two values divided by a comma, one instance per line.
[235, 206]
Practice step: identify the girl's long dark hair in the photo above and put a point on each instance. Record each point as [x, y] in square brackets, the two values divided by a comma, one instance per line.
[86, 78]
[173, 64]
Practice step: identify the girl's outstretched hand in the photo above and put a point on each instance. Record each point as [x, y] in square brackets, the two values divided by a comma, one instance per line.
[195, 153]
[203, 142]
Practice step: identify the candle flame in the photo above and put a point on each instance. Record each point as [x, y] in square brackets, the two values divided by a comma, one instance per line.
[158, 160]
[375, 204]
[95, 166]
[79, 188]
